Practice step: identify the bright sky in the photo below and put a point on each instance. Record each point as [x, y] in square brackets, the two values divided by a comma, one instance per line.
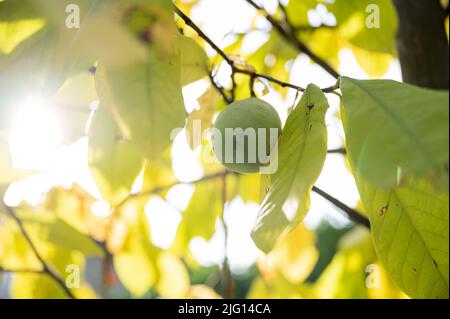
[35, 143]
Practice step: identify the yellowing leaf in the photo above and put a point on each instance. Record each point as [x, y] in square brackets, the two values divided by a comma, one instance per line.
[135, 262]
[302, 152]
[325, 42]
[294, 256]
[46, 227]
[278, 288]
[249, 187]
[14, 32]
[41, 286]
[375, 64]
[174, 280]
[203, 292]
[385, 288]
[58, 243]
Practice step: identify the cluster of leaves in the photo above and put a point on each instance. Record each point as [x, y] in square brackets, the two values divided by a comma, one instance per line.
[395, 134]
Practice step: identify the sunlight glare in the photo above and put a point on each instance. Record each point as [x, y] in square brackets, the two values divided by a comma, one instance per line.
[164, 220]
[35, 135]
[101, 208]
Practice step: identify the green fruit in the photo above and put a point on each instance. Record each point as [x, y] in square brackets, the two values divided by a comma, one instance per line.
[253, 119]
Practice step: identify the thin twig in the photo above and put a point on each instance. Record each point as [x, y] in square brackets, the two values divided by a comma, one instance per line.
[159, 189]
[219, 88]
[21, 271]
[46, 268]
[289, 36]
[236, 69]
[341, 151]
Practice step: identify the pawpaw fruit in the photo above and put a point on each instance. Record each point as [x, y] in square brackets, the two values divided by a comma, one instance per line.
[242, 131]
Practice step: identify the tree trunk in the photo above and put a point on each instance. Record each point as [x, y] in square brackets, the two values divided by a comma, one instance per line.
[422, 43]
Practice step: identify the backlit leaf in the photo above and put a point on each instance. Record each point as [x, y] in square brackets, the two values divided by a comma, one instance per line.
[357, 23]
[302, 152]
[145, 99]
[135, 262]
[194, 61]
[115, 163]
[410, 233]
[396, 130]
[294, 256]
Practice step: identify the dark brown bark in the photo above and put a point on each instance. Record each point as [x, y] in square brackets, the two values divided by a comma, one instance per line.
[422, 43]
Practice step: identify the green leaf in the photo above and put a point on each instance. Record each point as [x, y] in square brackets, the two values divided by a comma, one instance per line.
[302, 152]
[145, 98]
[396, 130]
[115, 162]
[297, 11]
[409, 224]
[410, 227]
[194, 61]
[352, 17]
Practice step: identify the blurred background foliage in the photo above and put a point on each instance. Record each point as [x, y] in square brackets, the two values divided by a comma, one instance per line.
[109, 237]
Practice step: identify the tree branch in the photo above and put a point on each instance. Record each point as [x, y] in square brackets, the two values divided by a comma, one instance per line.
[21, 271]
[422, 43]
[46, 268]
[227, 277]
[220, 89]
[302, 28]
[235, 68]
[351, 213]
[289, 36]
